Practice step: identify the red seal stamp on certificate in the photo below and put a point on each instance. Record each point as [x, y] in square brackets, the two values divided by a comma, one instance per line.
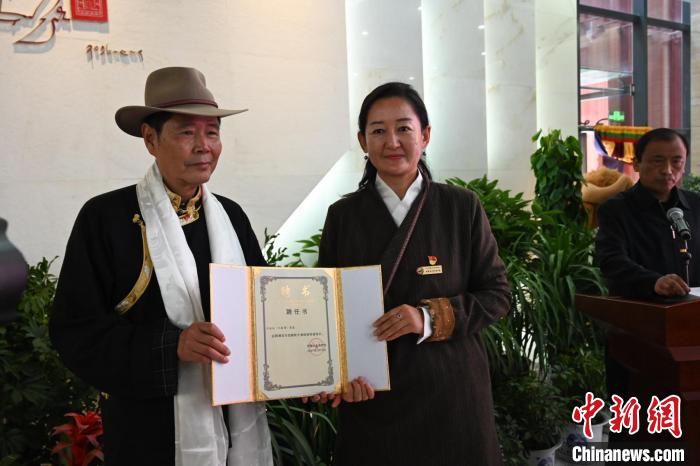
[89, 10]
[316, 347]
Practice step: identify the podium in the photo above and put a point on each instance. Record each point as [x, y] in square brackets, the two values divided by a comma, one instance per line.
[659, 344]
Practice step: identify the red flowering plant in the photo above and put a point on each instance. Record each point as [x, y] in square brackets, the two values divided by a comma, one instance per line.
[79, 444]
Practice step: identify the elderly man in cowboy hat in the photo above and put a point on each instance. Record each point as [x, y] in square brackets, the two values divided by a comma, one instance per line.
[132, 305]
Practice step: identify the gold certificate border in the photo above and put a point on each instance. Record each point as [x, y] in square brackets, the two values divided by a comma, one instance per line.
[252, 291]
[342, 384]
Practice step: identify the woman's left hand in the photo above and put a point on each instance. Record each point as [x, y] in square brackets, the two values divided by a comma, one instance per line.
[399, 321]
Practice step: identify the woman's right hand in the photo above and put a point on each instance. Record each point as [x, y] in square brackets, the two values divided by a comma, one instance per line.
[359, 389]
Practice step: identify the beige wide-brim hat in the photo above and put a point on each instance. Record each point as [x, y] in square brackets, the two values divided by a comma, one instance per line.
[176, 90]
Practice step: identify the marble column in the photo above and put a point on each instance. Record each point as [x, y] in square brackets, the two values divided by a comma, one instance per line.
[454, 82]
[383, 40]
[511, 100]
[556, 53]
[384, 44]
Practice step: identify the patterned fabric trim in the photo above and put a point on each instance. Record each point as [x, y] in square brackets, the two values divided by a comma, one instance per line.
[186, 212]
[442, 317]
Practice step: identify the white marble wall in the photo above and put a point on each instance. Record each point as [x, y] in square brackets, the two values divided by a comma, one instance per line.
[556, 29]
[454, 83]
[285, 60]
[308, 218]
[511, 98]
[383, 45]
[480, 73]
[302, 67]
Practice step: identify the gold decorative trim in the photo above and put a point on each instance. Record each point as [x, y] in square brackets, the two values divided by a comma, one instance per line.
[253, 273]
[442, 316]
[144, 277]
[340, 329]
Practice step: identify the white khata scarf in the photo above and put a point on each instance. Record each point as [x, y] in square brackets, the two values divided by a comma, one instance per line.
[200, 432]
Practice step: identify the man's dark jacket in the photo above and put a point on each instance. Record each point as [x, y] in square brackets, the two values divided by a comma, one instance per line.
[131, 358]
[636, 246]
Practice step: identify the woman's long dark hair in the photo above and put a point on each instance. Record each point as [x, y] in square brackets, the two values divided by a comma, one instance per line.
[407, 93]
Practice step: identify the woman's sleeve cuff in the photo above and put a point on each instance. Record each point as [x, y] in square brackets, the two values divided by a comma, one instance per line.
[442, 316]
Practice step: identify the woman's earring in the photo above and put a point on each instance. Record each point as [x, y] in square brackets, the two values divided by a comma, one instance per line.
[366, 157]
[423, 154]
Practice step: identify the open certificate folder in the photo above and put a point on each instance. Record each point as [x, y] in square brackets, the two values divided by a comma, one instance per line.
[296, 331]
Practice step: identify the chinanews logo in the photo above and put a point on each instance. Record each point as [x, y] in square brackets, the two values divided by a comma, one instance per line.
[662, 415]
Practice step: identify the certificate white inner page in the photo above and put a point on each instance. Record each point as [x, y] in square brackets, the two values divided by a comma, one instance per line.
[363, 303]
[232, 382]
[296, 331]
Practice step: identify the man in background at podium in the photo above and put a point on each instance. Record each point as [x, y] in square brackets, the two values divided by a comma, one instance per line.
[637, 248]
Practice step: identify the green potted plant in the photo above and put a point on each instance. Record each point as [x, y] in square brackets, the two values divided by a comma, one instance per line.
[558, 167]
[691, 182]
[546, 265]
[534, 411]
[574, 373]
[36, 388]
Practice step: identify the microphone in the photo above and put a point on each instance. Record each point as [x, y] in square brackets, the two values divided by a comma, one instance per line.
[675, 216]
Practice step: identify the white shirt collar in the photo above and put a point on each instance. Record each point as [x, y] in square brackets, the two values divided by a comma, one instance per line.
[398, 207]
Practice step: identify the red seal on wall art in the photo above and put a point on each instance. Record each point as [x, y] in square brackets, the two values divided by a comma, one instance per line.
[89, 10]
